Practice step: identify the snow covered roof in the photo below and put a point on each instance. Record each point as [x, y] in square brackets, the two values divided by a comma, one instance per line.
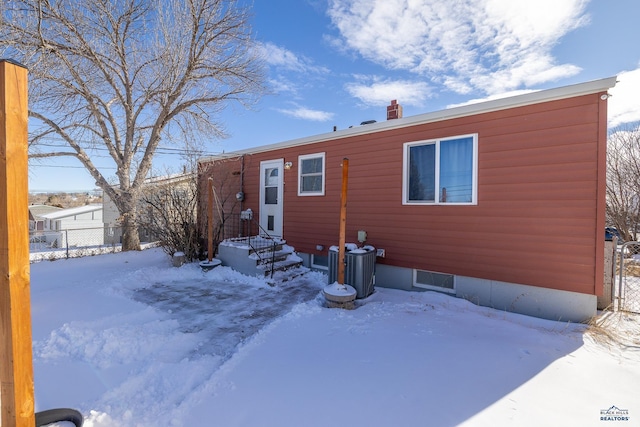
[38, 211]
[170, 179]
[531, 98]
[72, 211]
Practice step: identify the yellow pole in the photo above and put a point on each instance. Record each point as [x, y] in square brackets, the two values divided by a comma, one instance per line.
[343, 220]
[16, 357]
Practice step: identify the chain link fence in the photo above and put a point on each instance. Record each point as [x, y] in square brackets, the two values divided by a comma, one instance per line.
[627, 285]
[73, 243]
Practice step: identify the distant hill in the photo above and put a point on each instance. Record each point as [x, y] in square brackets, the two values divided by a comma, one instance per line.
[65, 200]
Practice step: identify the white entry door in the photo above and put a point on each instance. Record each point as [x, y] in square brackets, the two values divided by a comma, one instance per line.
[271, 195]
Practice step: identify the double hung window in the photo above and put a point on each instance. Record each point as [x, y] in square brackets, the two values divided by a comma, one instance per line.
[311, 175]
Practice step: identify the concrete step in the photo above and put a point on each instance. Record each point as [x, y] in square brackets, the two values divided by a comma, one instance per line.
[260, 260]
[265, 249]
[268, 256]
[286, 275]
[282, 265]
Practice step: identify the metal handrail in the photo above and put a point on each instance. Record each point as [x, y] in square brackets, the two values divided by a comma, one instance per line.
[264, 234]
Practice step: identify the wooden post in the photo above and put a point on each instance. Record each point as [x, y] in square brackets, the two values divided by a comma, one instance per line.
[210, 221]
[343, 220]
[16, 358]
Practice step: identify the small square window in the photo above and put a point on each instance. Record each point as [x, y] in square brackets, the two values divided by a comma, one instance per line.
[320, 262]
[311, 174]
[434, 281]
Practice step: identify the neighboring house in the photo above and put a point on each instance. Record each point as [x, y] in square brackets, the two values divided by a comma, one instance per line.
[152, 186]
[36, 222]
[79, 226]
[500, 202]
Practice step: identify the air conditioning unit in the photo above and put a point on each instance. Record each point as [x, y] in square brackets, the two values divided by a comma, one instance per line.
[359, 269]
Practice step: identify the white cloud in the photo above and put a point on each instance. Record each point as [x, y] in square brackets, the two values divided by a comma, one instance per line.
[373, 92]
[536, 69]
[280, 84]
[624, 104]
[284, 59]
[488, 45]
[287, 68]
[307, 114]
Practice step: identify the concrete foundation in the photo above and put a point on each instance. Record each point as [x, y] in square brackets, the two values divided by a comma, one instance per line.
[544, 303]
[534, 301]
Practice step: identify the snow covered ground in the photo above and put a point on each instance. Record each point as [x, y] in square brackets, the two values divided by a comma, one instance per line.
[131, 341]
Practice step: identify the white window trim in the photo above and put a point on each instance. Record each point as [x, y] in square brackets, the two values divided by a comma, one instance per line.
[405, 171]
[324, 163]
[318, 266]
[431, 287]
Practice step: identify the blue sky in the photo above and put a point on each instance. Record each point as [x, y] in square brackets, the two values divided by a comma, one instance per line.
[340, 62]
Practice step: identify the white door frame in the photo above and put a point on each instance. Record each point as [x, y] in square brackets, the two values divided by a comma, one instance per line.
[271, 214]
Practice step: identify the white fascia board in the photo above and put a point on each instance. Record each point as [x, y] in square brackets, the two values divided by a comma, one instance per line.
[72, 211]
[169, 179]
[547, 95]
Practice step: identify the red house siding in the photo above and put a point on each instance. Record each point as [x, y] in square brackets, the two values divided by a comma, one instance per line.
[540, 211]
[227, 179]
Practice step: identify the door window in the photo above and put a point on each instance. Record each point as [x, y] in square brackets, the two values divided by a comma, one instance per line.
[271, 186]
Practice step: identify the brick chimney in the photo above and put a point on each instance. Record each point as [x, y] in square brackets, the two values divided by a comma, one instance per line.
[394, 111]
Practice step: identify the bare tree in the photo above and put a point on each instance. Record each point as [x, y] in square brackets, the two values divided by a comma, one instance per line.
[170, 215]
[120, 76]
[623, 182]
[226, 176]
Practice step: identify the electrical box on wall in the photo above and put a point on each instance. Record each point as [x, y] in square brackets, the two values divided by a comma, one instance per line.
[362, 236]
